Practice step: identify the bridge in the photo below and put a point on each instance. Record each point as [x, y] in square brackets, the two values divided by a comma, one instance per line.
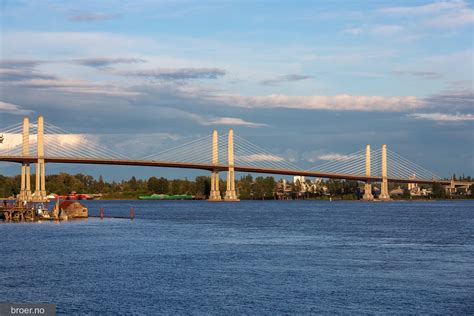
[214, 153]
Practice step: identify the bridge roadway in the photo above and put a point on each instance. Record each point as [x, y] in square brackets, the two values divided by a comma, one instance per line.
[210, 167]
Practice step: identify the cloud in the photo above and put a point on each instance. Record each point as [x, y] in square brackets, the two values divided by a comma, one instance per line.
[285, 78]
[73, 87]
[343, 102]
[232, 121]
[420, 74]
[352, 31]
[439, 14]
[22, 74]
[19, 63]
[104, 62]
[92, 17]
[431, 8]
[358, 56]
[386, 29]
[380, 30]
[12, 108]
[452, 19]
[177, 73]
[458, 100]
[12, 141]
[335, 157]
[204, 120]
[259, 158]
[442, 117]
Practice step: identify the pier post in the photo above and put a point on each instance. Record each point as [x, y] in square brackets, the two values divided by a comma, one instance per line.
[412, 185]
[215, 194]
[368, 196]
[230, 194]
[384, 186]
[40, 189]
[101, 213]
[132, 213]
[25, 190]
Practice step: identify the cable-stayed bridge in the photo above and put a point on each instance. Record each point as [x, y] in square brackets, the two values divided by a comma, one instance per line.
[42, 143]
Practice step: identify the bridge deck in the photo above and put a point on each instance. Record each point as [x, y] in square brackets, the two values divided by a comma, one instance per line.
[210, 167]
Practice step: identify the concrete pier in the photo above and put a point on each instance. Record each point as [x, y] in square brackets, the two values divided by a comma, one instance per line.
[368, 196]
[384, 186]
[230, 194]
[215, 194]
[40, 188]
[25, 190]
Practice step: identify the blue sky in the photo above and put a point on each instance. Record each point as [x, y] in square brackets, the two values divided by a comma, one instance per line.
[302, 79]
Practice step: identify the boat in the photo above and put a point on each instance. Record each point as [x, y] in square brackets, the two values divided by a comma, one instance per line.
[166, 197]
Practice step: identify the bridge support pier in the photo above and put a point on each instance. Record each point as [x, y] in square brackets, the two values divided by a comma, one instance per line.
[230, 194]
[40, 188]
[215, 194]
[368, 196]
[384, 195]
[25, 190]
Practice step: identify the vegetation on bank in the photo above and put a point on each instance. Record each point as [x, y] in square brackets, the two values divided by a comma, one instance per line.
[247, 186]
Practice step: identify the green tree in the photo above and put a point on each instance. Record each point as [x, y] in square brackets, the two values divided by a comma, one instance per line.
[203, 185]
[439, 191]
[133, 184]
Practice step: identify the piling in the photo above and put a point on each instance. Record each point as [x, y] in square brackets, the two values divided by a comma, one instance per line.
[101, 213]
[132, 213]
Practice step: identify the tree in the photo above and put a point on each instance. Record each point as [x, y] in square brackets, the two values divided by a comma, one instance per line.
[100, 184]
[439, 191]
[162, 186]
[244, 185]
[203, 185]
[264, 188]
[133, 184]
[152, 184]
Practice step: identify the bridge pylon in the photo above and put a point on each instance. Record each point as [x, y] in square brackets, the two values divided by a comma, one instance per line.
[25, 190]
[368, 196]
[40, 188]
[215, 194]
[384, 195]
[230, 194]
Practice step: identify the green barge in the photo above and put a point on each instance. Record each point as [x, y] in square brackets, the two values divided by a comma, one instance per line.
[166, 197]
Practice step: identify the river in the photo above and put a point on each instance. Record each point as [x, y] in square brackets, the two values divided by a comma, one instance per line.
[251, 257]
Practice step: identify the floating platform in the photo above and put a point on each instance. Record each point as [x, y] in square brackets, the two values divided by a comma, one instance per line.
[34, 212]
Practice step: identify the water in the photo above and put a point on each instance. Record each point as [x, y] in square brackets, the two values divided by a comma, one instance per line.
[248, 257]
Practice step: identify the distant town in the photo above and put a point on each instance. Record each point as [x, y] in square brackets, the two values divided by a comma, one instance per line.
[80, 186]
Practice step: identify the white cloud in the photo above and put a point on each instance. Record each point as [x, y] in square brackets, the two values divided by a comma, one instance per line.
[335, 157]
[426, 9]
[54, 143]
[441, 117]
[386, 29]
[441, 14]
[451, 19]
[12, 108]
[259, 157]
[430, 8]
[352, 31]
[14, 141]
[343, 102]
[233, 121]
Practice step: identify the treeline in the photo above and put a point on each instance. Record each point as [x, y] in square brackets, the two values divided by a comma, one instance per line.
[247, 186]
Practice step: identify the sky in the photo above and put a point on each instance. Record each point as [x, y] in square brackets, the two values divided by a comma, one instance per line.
[304, 80]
